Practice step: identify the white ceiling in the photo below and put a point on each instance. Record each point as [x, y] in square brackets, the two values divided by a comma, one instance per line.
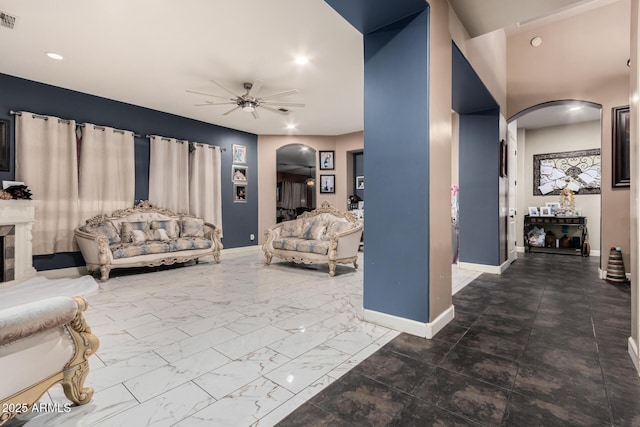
[556, 115]
[149, 53]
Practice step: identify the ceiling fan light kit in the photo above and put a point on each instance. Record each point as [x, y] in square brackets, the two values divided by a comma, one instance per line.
[250, 102]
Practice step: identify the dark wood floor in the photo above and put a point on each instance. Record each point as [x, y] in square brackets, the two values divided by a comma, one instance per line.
[545, 344]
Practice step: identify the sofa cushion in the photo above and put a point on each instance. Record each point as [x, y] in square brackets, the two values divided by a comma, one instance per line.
[106, 228]
[302, 245]
[126, 250]
[292, 228]
[314, 229]
[127, 227]
[192, 227]
[171, 226]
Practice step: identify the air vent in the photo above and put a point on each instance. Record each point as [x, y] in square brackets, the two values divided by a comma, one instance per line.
[284, 110]
[7, 21]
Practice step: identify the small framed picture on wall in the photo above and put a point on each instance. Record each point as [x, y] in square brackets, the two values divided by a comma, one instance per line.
[326, 160]
[239, 174]
[239, 153]
[359, 182]
[239, 193]
[327, 183]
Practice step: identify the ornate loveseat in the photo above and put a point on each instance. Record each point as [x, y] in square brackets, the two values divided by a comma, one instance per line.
[322, 236]
[145, 236]
[42, 343]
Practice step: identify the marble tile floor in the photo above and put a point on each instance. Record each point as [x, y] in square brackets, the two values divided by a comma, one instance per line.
[230, 344]
[545, 344]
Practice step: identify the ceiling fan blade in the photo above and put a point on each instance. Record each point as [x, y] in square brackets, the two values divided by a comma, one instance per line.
[231, 111]
[214, 103]
[207, 94]
[275, 110]
[288, 104]
[224, 88]
[255, 88]
[255, 114]
[281, 94]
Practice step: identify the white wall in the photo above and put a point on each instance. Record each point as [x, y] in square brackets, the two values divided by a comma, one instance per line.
[555, 139]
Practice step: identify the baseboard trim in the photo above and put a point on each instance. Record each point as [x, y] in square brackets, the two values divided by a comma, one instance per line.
[241, 250]
[520, 249]
[440, 322]
[633, 352]
[484, 268]
[413, 327]
[594, 252]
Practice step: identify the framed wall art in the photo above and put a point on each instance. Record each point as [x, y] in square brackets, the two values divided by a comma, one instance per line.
[326, 160]
[576, 170]
[239, 153]
[5, 161]
[239, 193]
[621, 172]
[327, 183]
[359, 182]
[239, 174]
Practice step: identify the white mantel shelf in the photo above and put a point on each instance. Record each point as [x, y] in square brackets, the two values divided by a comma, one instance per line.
[20, 213]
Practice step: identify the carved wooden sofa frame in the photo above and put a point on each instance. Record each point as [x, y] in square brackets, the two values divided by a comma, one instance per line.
[58, 325]
[342, 246]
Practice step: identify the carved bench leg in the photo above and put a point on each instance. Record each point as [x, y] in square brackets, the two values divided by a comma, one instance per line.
[267, 260]
[73, 384]
[332, 268]
[216, 256]
[104, 272]
[355, 264]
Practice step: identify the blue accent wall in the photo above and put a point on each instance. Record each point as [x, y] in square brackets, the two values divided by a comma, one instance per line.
[479, 162]
[396, 135]
[239, 219]
[479, 188]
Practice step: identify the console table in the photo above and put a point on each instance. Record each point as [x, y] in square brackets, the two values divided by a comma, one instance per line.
[576, 227]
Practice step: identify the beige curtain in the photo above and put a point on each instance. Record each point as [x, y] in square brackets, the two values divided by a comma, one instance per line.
[46, 161]
[107, 170]
[205, 193]
[169, 174]
[293, 195]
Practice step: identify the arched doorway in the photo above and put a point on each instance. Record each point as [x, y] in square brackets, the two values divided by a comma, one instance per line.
[566, 134]
[296, 181]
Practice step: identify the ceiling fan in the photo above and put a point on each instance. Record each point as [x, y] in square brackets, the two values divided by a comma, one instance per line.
[250, 101]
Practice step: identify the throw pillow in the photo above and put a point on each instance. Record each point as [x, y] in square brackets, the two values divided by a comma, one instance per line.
[192, 227]
[337, 227]
[291, 228]
[107, 229]
[138, 236]
[127, 227]
[314, 230]
[159, 234]
[171, 226]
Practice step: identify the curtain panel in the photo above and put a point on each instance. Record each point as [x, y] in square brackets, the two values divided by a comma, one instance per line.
[205, 189]
[169, 174]
[46, 161]
[107, 170]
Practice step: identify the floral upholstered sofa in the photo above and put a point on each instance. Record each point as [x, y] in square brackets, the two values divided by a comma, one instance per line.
[322, 236]
[145, 236]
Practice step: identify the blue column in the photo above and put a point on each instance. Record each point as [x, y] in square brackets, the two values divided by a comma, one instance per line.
[396, 138]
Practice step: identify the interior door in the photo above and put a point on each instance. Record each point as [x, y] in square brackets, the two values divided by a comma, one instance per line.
[512, 171]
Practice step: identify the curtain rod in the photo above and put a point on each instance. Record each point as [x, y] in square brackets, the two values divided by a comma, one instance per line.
[40, 116]
[181, 141]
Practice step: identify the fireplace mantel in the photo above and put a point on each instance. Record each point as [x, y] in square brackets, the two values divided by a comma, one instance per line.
[20, 213]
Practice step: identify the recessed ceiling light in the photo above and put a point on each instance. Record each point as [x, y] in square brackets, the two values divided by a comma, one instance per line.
[536, 41]
[54, 55]
[293, 127]
[575, 108]
[301, 60]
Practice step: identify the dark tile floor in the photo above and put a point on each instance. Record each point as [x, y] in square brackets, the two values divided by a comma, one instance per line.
[545, 344]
